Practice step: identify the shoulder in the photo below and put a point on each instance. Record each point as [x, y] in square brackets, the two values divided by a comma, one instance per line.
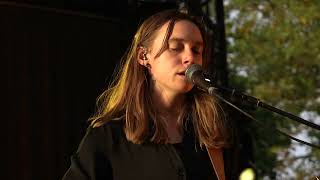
[108, 134]
[108, 128]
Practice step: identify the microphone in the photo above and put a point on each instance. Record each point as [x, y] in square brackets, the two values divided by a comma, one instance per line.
[195, 75]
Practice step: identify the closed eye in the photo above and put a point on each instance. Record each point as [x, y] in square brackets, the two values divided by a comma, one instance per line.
[197, 50]
[175, 48]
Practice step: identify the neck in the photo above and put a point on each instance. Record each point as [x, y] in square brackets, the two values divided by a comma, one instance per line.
[168, 108]
[168, 103]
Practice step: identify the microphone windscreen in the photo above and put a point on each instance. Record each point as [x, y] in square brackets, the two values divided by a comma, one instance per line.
[191, 70]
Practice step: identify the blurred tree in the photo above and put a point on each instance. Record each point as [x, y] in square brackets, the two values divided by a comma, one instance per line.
[274, 54]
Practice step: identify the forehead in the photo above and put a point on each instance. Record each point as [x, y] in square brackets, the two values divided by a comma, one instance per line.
[186, 31]
[183, 30]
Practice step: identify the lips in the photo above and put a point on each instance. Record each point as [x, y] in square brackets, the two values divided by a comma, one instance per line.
[181, 73]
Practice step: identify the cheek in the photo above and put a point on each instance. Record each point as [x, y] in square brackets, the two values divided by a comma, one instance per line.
[165, 61]
[160, 69]
[157, 68]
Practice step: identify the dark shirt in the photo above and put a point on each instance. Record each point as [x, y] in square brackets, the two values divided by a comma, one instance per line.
[105, 153]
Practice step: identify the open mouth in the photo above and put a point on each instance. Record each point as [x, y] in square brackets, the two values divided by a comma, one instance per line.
[181, 73]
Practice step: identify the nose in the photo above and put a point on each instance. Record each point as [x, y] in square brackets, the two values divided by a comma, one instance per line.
[189, 57]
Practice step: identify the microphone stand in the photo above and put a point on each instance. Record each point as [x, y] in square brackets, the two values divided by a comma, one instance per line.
[255, 101]
[213, 91]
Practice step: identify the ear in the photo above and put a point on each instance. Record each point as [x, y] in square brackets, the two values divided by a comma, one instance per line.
[142, 55]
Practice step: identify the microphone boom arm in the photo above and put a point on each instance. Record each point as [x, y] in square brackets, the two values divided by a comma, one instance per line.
[257, 102]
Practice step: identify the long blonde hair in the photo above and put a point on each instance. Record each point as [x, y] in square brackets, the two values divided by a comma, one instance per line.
[129, 93]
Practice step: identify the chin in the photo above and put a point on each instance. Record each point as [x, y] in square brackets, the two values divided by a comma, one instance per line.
[187, 88]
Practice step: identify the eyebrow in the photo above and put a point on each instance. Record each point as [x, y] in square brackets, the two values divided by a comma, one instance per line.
[198, 43]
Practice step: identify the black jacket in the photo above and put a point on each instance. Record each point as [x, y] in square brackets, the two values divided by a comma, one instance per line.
[105, 153]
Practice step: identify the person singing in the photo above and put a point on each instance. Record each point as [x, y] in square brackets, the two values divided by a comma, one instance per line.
[151, 122]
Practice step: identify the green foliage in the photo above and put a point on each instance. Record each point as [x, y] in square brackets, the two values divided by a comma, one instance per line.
[274, 53]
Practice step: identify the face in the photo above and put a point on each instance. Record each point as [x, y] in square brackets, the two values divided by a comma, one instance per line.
[185, 48]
